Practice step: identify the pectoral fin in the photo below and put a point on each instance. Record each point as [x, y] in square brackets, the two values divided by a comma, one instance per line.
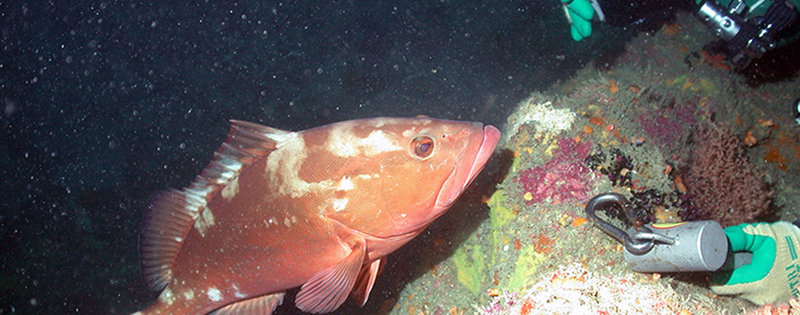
[328, 289]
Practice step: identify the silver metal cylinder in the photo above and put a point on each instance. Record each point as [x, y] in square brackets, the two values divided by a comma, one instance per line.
[696, 246]
[717, 19]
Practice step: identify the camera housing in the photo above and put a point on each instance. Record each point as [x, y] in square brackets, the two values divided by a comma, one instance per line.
[746, 39]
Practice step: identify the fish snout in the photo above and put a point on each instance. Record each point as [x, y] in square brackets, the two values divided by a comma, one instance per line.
[478, 151]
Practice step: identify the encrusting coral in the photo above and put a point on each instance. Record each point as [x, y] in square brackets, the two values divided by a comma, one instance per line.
[723, 184]
[564, 178]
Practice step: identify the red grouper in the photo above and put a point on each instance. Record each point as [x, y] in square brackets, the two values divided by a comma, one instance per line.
[319, 208]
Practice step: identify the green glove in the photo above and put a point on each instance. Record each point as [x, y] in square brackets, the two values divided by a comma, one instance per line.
[580, 14]
[773, 275]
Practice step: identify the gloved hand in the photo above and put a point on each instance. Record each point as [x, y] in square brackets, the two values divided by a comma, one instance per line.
[774, 272]
[580, 14]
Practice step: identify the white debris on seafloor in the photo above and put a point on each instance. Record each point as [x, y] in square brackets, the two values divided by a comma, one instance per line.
[547, 119]
[573, 289]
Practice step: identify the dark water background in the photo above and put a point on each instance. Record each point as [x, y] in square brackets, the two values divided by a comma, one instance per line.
[106, 103]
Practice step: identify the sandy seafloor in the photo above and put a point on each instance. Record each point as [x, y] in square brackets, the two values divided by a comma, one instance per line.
[542, 257]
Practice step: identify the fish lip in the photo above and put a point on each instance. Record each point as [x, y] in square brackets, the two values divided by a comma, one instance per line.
[491, 136]
[450, 190]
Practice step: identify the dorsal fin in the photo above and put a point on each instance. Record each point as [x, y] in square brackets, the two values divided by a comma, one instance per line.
[172, 213]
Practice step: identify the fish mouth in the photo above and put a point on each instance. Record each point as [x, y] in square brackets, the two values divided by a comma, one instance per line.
[483, 143]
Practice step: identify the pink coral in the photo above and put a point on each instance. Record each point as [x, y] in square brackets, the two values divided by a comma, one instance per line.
[668, 126]
[564, 178]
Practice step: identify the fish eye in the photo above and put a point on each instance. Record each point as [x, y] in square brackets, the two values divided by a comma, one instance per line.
[422, 146]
